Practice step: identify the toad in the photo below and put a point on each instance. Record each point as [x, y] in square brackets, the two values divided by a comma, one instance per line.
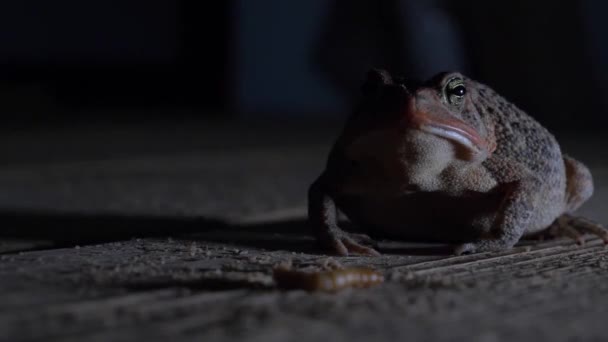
[446, 160]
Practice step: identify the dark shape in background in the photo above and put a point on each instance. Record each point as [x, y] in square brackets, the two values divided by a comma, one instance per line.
[544, 56]
[71, 55]
[537, 54]
[69, 59]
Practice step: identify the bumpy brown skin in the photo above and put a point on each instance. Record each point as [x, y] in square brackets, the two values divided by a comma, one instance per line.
[447, 160]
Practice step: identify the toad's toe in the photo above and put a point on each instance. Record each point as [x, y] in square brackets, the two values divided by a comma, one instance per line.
[576, 227]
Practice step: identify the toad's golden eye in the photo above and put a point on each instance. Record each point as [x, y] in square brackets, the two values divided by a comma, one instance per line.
[455, 91]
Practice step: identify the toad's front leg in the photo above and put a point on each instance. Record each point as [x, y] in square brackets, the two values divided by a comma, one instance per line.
[512, 219]
[323, 215]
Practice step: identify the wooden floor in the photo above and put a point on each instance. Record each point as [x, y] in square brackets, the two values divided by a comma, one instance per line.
[170, 236]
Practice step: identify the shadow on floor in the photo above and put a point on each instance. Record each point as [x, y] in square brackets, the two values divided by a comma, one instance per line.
[70, 229]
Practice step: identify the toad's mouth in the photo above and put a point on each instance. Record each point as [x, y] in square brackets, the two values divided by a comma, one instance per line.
[455, 134]
[450, 129]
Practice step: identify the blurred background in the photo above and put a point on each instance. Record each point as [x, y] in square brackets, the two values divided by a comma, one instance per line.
[72, 60]
[164, 106]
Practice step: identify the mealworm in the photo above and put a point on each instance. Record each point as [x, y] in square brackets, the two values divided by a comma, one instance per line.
[329, 281]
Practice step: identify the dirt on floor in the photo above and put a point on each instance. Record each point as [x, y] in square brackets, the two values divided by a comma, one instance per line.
[181, 244]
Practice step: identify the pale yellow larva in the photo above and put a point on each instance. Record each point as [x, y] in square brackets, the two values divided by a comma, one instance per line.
[329, 281]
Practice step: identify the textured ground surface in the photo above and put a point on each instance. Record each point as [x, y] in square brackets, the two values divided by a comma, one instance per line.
[170, 231]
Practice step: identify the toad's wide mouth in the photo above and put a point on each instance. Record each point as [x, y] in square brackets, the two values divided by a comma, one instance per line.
[455, 134]
[451, 129]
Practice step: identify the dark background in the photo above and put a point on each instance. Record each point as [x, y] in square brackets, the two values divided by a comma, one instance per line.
[71, 61]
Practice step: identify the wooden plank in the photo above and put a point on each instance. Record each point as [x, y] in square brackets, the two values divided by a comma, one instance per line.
[154, 288]
[213, 281]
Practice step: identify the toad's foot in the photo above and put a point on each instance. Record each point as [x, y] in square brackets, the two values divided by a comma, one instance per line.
[343, 243]
[576, 227]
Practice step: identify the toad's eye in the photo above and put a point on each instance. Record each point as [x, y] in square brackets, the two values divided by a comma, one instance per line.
[459, 90]
[455, 91]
